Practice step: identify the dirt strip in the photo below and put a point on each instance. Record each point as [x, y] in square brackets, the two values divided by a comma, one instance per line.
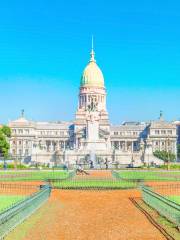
[90, 215]
[19, 188]
[95, 174]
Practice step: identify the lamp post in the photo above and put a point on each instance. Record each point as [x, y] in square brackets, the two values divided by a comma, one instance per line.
[5, 164]
[148, 157]
[167, 149]
[147, 146]
[132, 159]
[15, 163]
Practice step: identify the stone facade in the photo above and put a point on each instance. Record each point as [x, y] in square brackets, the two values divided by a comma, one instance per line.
[91, 137]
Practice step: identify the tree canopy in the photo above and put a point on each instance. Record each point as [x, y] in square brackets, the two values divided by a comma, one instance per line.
[5, 133]
[165, 156]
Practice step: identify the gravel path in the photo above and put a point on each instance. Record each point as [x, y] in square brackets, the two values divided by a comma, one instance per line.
[90, 215]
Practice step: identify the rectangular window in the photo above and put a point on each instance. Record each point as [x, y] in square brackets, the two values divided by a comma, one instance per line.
[26, 152]
[156, 131]
[116, 145]
[61, 133]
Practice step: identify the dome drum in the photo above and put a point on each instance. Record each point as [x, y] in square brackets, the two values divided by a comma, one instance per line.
[87, 90]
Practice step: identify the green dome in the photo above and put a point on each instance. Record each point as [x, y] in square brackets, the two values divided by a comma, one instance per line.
[92, 75]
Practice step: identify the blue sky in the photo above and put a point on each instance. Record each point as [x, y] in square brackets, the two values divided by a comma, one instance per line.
[45, 45]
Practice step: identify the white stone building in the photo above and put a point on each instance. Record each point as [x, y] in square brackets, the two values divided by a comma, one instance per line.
[91, 136]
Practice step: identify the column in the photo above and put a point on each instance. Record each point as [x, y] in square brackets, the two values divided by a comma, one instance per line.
[57, 146]
[125, 145]
[51, 146]
[48, 145]
[119, 145]
[132, 146]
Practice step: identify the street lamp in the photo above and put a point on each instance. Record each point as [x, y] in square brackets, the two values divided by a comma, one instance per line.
[167, 149]
[15, 165]
[5, 164]
[148, 156]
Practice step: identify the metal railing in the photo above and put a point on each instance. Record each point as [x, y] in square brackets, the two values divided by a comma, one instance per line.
[17, 213]
[147, 175]
[163, 205]
[89, 181]
[136, 182]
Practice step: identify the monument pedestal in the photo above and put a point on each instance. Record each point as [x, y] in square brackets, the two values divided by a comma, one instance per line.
[96, 145]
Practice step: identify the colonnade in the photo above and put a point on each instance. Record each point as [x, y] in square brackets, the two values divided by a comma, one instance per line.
[164, 145]
[125, 145]
[54, 145]
[85, 100]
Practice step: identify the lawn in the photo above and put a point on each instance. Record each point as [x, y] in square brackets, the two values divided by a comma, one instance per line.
[107, 184]
[149, 175]
[175, 199]
[7, 201]
[32, 175]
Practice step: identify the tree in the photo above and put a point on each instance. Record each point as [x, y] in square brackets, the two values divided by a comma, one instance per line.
[5, 133]
[167, 157]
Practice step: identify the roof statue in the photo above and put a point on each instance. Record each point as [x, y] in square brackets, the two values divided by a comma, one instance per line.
[161, 116]
[22, 113]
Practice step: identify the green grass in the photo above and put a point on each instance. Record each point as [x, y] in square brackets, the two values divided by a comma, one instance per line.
[7, 201]
[175, 199]
[149, 175]
[32, 175]
[93, 184]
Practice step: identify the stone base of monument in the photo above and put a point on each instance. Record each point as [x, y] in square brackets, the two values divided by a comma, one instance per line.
[98, 145]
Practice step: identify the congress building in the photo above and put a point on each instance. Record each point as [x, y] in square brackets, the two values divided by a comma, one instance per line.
[91, 137]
